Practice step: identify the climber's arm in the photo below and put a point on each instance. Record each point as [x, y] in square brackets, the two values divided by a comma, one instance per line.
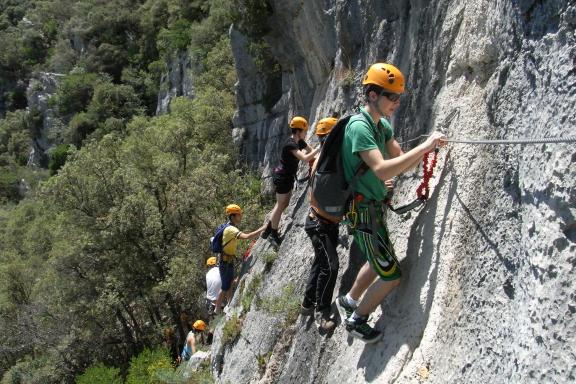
[393, 149]
[251, 235]
[303, 156]
[386, 169]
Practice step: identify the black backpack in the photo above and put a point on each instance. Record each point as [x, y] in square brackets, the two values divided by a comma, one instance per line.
[330, 193]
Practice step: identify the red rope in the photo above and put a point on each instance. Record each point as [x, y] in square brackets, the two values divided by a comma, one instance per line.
[248, 250]
[424, 188]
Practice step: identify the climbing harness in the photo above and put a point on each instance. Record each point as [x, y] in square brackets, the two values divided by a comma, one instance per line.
[351, 218]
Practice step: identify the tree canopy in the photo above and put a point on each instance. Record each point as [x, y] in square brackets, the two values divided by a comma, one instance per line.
[99, 258]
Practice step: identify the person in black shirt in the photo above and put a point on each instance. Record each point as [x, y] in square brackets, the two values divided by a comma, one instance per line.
[294, 150]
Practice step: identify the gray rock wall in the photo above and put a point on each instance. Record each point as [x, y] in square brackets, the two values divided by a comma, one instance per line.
[488, 287]
[176, 81]
[39, 90]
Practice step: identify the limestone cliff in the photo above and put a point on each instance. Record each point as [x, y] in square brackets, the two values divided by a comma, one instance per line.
[176, 81]
[39, 90]
[488, 287]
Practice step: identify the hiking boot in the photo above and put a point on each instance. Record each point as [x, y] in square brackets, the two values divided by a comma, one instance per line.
[306, 311]
[267, 231]
[344, 308]
[275, 238]
[324, 321]
[361, 330]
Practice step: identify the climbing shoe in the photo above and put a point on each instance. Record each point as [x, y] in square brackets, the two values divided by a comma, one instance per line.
[267, 231]
[360, 329]
[324, 321]
[306, 311]
[344, 308]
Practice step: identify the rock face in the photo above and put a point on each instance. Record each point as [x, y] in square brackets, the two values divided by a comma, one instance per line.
[177, 81]
[38, 92]
[488, 264]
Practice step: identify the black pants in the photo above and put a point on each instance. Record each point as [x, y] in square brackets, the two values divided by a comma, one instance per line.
[324, 270]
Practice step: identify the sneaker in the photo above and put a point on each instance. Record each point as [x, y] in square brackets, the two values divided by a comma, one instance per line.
[306, 311]
[361, 330]
[344, 308]
[324, 321]
[267, 231]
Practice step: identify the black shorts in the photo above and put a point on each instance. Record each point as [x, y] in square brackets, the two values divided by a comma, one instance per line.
[283, 182]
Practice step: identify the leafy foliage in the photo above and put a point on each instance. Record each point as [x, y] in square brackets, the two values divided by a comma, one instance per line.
[100, 374]
[251, 291]
[75, 92]
[268, 258]
[58, 158]
[287, 303]
[145, 367]
[231, 330]
[110, 250]
[15, 138]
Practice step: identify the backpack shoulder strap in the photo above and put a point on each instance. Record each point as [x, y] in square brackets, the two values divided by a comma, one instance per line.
[362, 166]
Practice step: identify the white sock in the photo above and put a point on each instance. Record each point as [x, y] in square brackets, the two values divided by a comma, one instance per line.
[356, 317]
[351, 301]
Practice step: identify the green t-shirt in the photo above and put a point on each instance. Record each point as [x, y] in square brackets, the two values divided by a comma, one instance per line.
[363, 135]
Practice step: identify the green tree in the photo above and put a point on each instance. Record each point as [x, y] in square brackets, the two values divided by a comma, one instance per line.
[112, 100]
[15, 138]
[75, 92]
[58, 158]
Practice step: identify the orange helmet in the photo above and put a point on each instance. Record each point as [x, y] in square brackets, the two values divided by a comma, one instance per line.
[233, 209]
[385, 76]
[325, 125]
[298, 122]
[211, 261]
[199, 325]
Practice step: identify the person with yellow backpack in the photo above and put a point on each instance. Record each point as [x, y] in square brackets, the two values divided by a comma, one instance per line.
[294, 150]
[229, 244]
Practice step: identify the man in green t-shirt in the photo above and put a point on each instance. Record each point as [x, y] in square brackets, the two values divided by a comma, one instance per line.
[367, 138]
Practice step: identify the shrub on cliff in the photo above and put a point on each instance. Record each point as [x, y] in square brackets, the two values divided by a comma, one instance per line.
[100, 374]
[145, 367]
[58, 157]
[75, 92]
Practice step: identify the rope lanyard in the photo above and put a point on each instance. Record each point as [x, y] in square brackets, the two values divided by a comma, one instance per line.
[248, 250]
[423, 190]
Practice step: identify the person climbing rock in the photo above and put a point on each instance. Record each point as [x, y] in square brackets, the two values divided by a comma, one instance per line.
[294, 150]
[324, 127]
[230, 239]
[213, 284]
[324, 269]
[194, 338]
[368, 136]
